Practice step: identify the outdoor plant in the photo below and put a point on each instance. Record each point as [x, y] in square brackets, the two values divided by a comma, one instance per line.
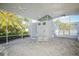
[63, 26]
[12, 23]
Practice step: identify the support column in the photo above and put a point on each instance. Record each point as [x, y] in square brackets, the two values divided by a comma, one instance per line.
[6, 30]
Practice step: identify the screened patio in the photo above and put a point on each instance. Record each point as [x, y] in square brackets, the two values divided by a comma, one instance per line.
[39, 29]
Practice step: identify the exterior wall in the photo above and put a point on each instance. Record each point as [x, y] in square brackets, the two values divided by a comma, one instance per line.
[77, 28]
[45, 31]
[42, 32]
[33, 30]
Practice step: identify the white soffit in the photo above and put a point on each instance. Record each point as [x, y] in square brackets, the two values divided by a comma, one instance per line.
[38, 10]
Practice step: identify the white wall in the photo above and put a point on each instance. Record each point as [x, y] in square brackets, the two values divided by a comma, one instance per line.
[32, 29]
[45, 32]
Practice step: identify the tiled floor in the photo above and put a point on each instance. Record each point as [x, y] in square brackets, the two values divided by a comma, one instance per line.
[54, 47]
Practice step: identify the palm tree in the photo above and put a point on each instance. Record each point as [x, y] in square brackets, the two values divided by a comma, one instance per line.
[14, 23]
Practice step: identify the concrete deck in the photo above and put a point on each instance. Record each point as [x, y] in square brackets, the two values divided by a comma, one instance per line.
[54, 47]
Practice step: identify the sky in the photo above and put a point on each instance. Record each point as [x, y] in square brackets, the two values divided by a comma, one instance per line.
[66, 19]
[75, 18]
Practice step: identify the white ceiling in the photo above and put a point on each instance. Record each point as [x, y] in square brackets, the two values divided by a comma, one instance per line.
[37, 10]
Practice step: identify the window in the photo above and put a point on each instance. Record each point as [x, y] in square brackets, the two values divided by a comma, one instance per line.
[39, 23]
[44, 23]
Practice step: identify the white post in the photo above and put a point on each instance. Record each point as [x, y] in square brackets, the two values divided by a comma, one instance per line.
[31, 30]
[69, 24]
[6, 30]
[77, 27]
[22, 34]
[47, 29]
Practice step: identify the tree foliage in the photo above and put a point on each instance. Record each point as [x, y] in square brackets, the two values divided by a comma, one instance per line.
[12, 22]
[63, 26]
